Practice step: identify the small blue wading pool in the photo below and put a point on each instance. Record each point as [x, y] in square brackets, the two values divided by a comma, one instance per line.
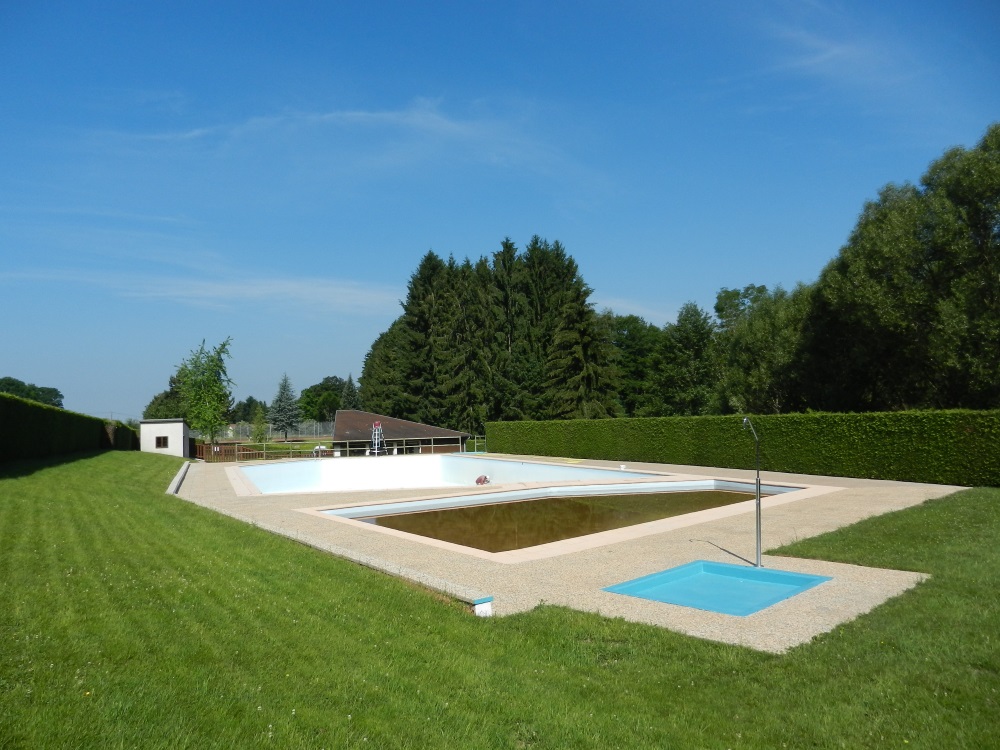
[719, 587]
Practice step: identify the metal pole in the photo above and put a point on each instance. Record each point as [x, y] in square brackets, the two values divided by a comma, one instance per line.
[748, 423]
[757, 441]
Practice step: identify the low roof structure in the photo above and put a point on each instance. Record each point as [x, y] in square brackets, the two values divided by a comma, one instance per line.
[169, 436]
[351, 424]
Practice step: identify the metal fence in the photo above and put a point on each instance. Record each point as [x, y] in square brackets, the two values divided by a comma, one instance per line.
[238, 451]
[243, 431]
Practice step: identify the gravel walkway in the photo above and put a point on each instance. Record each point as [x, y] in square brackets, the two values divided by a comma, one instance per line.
[578, 571]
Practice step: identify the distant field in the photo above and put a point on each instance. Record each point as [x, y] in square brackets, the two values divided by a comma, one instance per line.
[129, 618]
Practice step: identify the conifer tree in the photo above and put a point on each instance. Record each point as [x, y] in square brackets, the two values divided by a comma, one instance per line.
[284, 413]
[580, 379]
[493, 340]
[465, 376]
[383, 376]
[507, 305]
[545, 274]
[349, 396]
[429, 314]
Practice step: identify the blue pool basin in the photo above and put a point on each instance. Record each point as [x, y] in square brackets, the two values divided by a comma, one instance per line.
[719, 587]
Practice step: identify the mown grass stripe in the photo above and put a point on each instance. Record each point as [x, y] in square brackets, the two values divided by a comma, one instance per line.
[183, 628]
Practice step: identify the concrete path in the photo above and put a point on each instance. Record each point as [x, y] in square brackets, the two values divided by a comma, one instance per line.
[574, 573]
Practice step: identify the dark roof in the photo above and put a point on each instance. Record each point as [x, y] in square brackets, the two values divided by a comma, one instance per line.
[350, 424]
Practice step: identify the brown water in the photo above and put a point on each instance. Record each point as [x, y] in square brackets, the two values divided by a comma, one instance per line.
[515, 525]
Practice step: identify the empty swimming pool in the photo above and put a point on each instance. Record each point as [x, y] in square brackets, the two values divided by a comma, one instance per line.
[498, 482]
[419, 472]
[503, 526]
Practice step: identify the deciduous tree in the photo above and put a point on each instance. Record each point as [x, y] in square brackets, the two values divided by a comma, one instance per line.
[636, 343]
[908, 314]
[168, 404]
[258, 429]
[320, 402]
[758, 350]
[43, 395]
[684, 371]
[204, 386]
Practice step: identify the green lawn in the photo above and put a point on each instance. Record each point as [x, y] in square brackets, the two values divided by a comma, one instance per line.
[129, 618]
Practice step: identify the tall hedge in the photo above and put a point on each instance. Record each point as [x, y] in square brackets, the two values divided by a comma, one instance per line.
[942, 447]
[29, 429]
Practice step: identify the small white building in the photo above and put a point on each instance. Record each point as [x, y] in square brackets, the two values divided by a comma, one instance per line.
[169, 436]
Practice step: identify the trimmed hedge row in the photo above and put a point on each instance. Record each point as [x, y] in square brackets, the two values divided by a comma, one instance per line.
[29, 429]
[942, 447]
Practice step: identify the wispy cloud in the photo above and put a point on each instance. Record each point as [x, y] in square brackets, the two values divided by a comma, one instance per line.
[315, 296]
[424, 115]
[848, 58]
[384, 138]
[87, 212]
[831, 49]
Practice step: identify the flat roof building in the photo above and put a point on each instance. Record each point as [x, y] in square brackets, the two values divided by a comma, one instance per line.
[169, 436]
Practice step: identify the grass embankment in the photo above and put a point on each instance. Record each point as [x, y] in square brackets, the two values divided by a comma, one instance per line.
[129, 618]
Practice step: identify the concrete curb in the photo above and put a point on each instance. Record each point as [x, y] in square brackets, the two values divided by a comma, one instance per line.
[175, 485]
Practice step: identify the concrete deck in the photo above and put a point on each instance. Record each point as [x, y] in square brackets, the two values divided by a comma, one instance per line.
[573, 573]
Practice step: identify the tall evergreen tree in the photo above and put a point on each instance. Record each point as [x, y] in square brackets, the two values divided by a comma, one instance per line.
[580, 380]
[383, 386]
[490, 340]
[284, 413]
[349, 396]
[507, 303]
[429, 315]
[467, 374]
[548, 275]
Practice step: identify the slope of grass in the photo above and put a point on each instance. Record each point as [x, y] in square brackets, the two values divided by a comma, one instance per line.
[129, 618]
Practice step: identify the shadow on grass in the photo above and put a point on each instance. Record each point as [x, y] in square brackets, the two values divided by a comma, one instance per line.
[27, 467]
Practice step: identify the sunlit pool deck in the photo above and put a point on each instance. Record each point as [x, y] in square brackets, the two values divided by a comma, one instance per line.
[574, 572]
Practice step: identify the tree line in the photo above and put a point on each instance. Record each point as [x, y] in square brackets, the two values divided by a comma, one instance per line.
[510, 337]
[32, 392]
[907, 315]
[200, 391]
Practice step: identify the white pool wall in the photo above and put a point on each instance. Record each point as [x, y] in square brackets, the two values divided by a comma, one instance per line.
[464, 470]
[348, 474]
[537, 493]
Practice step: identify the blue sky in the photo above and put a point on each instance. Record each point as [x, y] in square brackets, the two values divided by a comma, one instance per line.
[274, 172]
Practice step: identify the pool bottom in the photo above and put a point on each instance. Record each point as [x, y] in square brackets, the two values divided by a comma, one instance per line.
[719, 587]
[502, 527]
[348, 510]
